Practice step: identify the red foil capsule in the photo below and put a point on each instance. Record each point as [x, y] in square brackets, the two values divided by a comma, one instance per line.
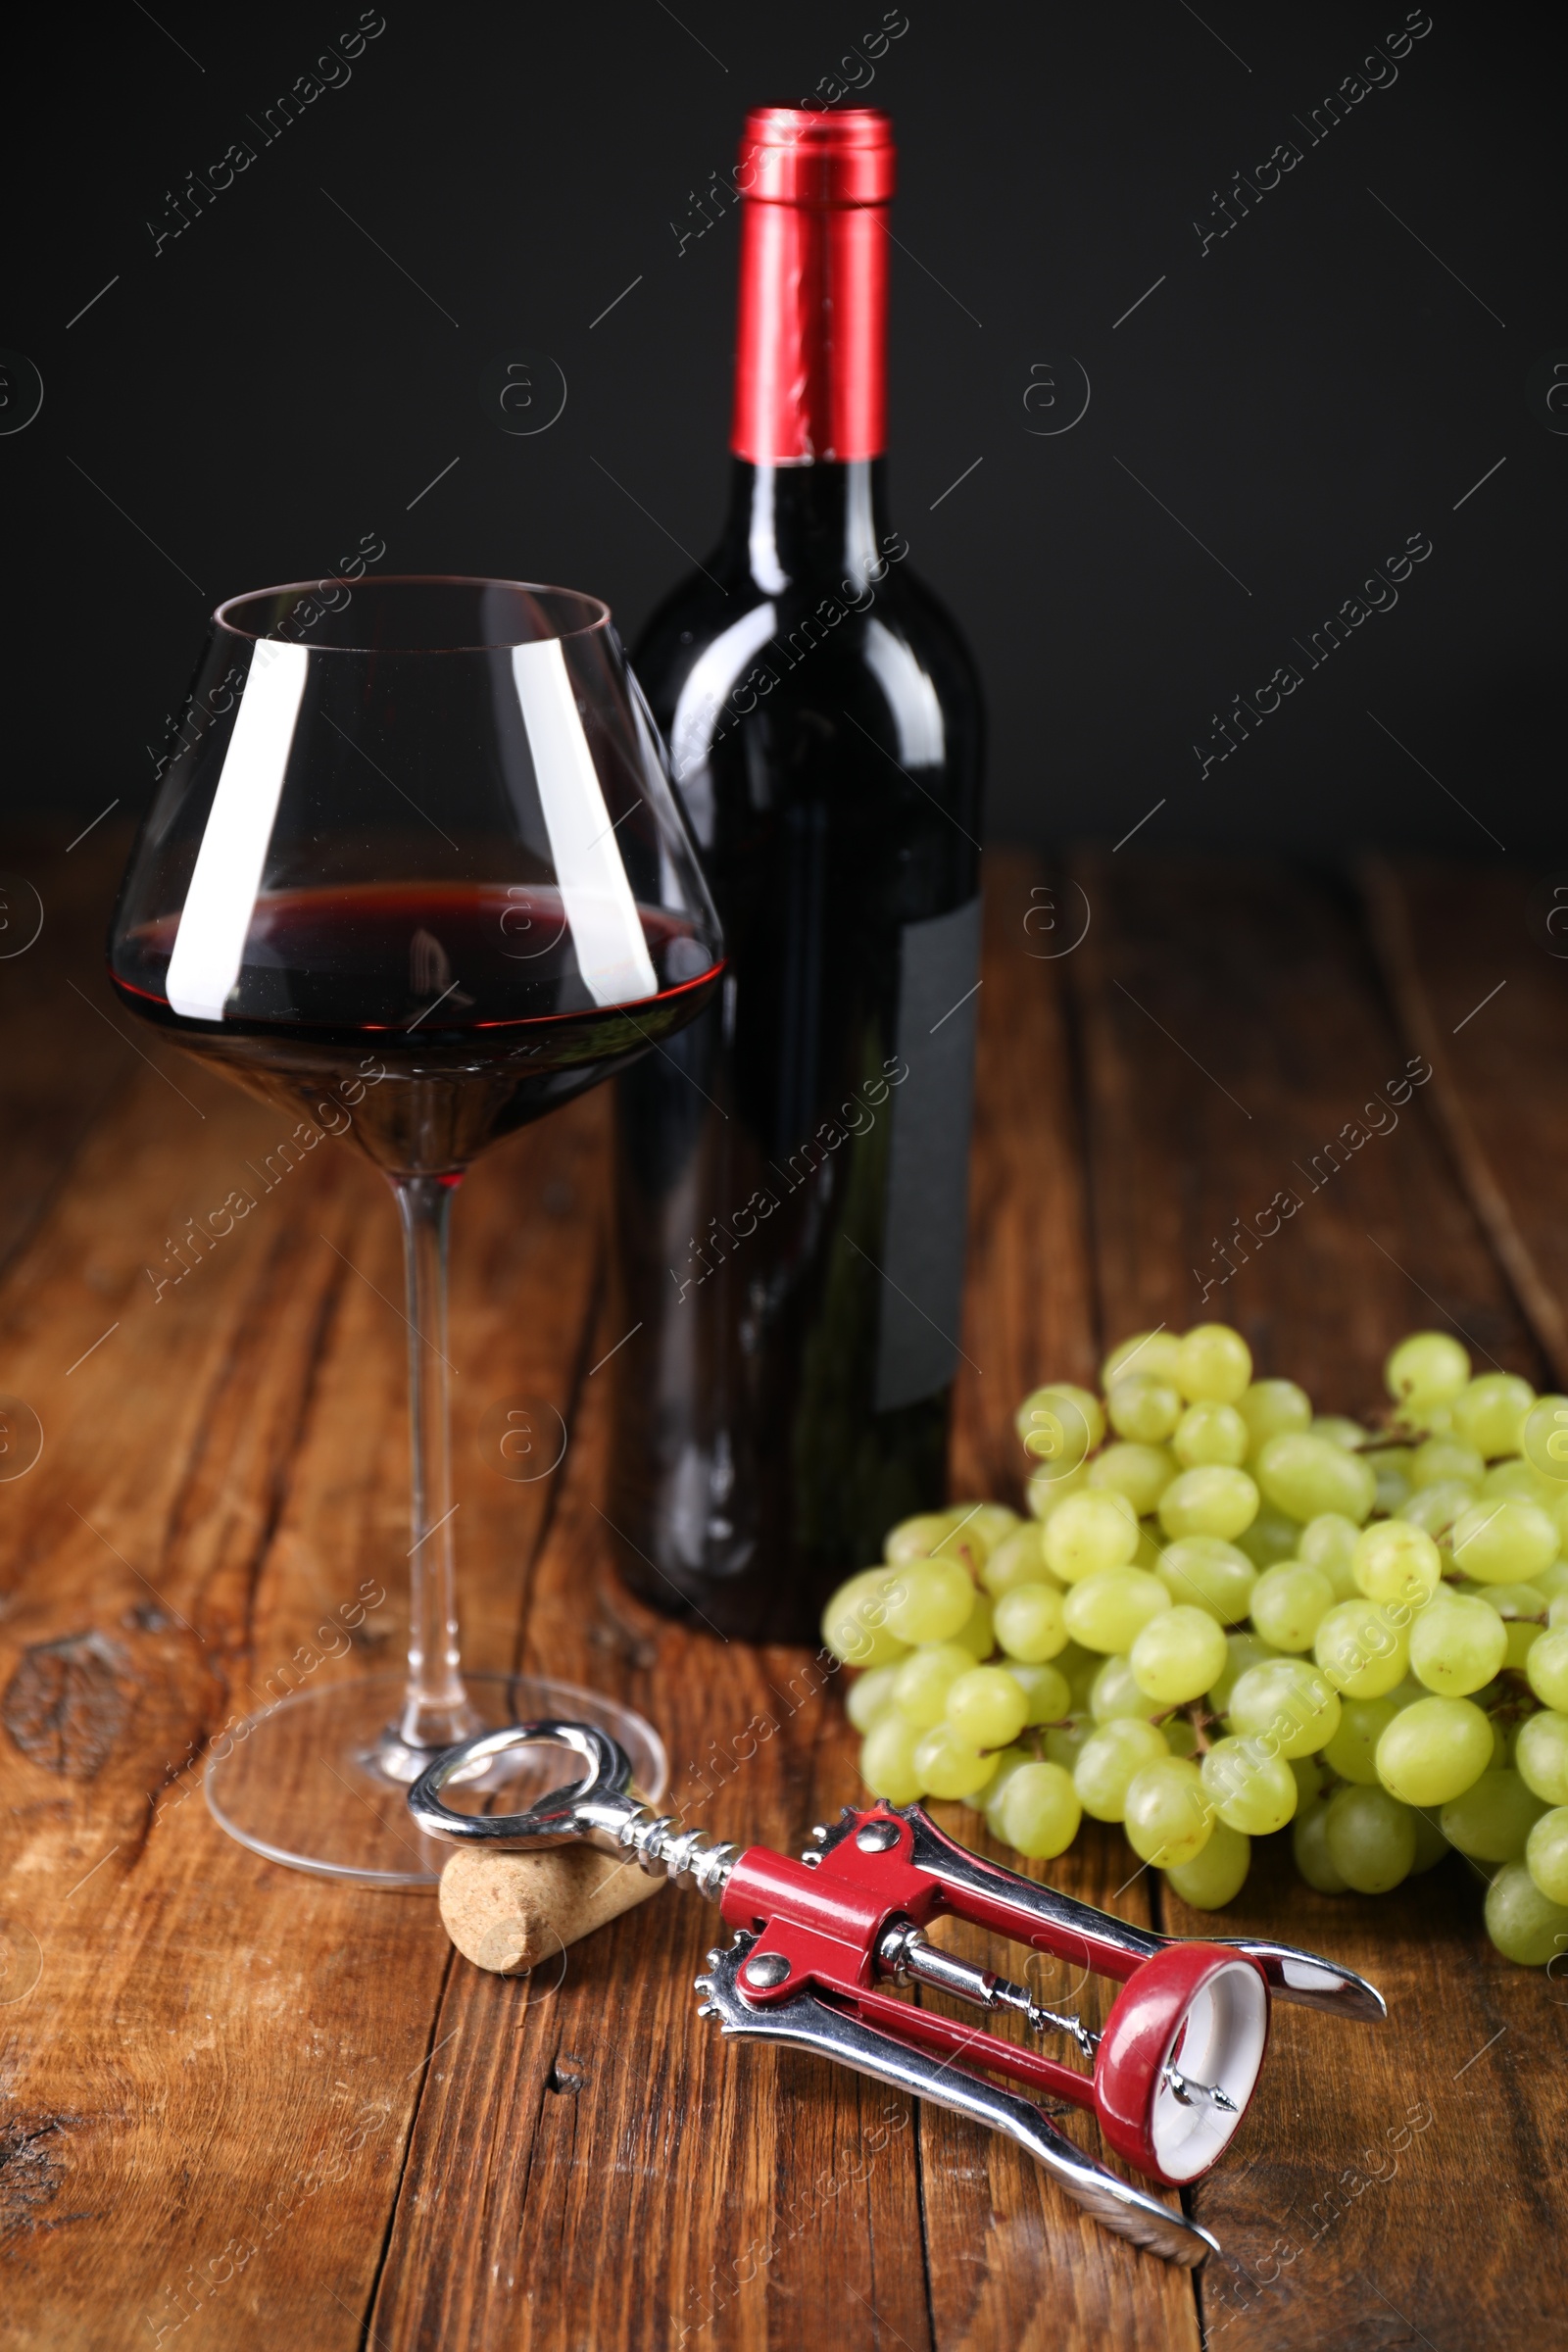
[811, 363]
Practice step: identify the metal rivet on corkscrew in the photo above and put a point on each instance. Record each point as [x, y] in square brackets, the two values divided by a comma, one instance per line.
[817, 1942]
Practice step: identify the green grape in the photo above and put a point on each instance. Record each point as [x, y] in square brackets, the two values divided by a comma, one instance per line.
[1166, 1815]
[1270, 1537]
[1441, 1461]
[1010, 1761]
[1553, 1581]
[1066, 1742]
[1287, 1705]
[986, 1706]
[1309, 1846]
[1457, 1644]
[869, 1697]
[1061, 1425]
[1491, 1821]
[922, 1684]
[1140, 1473]
[1046, 1690]
[950, 1765]
[1546, 1854]
[1155, 1353]
[1030, 1624]
[1109, 1610]
[1427, 1368]
[1490, 1411]
[1437, 1510]
[1046, 1494]
[1018, 1559]
[1081, 1668]
[1434, 1751]
[1178, 1655]
[1114, 1691]
[1181, 1735]
[1431, 1845]
[1515, 1476]
[1210, 1502]
[1334, 1429]
[1271, 1408]
[1241, 1650]
[1090, 1533]
[887, 1761]
[988, 1522]
[855, 1623]
[1329, 1541]
[1310, 1777]
[1217, 1873]
[1547, 1669]
[1210, 1431]
[1213, 1361]
[1369, 1838]
[929, 1600]
[1521, 1921]
[1388, 1465]
[1544, 1438]
[1540, 1752]
[1151, 1543]
[1503, 1542]
[1305, 1476]
[1202, 1572]
[1108, 1761]
[1351, 1753]
[1523, 1610]
[977, 1634]
[1143, 1409]
[920, 1538]
[1396, 1563]
[1249, 1788]
[1361, 1649]
[1040, 1811]
[1290, 1601]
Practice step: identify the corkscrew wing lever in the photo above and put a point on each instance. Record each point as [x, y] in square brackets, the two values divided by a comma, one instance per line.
[808, 2023]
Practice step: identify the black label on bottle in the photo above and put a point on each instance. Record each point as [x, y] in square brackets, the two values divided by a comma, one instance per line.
[928, 1180]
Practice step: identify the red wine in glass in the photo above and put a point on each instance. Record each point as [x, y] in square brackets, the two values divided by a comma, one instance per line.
[492, 1027]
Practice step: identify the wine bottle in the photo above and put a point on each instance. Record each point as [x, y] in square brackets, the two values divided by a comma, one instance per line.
[790, 1170]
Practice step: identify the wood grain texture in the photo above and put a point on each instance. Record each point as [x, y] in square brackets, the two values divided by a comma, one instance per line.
[242, 2108]
[1369, 2152]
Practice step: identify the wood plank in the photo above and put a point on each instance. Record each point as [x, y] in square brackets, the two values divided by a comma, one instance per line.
[1012, 2260]
[212, 2077]
[1479, 985]
[1233, 1023]
[62, 1063]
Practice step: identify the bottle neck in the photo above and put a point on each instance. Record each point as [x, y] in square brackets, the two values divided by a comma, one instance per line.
[792, 524]
[811, 342]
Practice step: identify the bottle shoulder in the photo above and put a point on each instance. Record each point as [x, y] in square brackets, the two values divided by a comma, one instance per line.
[723, 646]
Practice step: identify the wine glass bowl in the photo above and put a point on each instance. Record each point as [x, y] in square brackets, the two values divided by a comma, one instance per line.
[416, 873]
[429, 830]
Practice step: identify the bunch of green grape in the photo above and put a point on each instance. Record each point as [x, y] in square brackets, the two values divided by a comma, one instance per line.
[1227, 1616]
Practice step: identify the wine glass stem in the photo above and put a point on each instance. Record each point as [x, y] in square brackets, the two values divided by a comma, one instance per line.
[436, 1712]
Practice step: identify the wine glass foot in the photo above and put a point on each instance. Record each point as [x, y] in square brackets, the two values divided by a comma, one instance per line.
[320, 1781]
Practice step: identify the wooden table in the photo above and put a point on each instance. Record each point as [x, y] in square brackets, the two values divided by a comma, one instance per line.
[243, 2108]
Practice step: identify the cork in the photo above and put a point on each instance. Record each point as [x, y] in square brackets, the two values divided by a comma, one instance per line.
[511, 1912]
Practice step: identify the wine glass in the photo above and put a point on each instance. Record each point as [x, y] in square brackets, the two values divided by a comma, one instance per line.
[414, 874]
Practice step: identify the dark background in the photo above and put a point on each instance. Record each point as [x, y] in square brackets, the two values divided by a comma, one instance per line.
[270, 388]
